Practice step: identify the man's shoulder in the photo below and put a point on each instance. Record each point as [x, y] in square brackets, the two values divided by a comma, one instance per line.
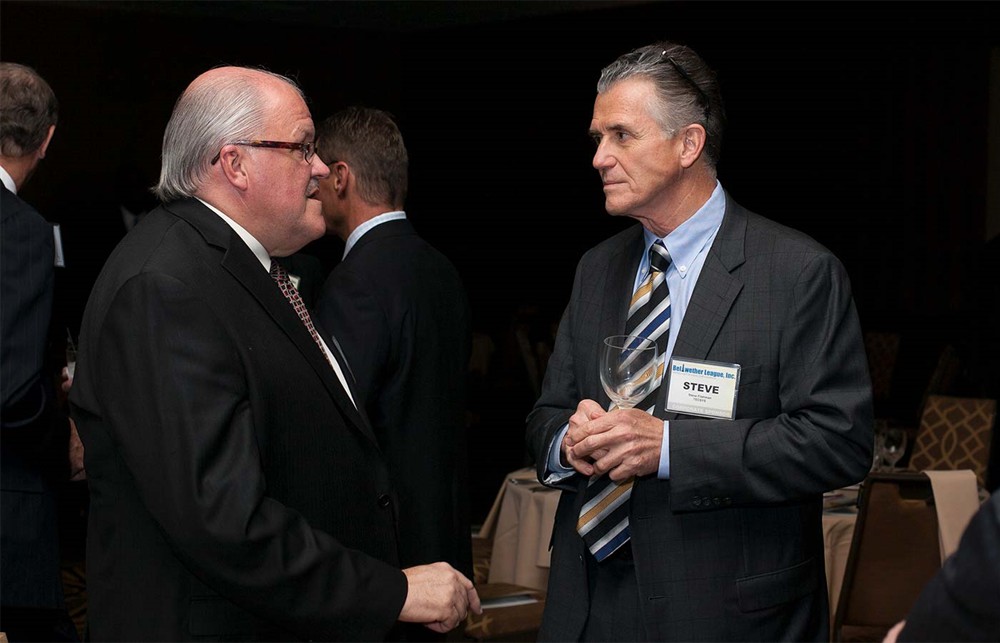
[14, 208]
[764, 234]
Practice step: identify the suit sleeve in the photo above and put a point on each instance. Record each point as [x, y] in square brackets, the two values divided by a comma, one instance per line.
[821, 436]
[559, 397]
[186, 433]
[347, 308]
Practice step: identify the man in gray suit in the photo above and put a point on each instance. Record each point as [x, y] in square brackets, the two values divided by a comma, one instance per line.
[712, 489]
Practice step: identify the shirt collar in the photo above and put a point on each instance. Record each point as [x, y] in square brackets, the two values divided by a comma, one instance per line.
[359, 232]
[255, 246]
[690, 238]
[8, 181]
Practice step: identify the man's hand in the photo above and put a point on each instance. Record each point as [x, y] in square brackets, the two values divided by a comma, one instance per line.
[893, 634]
[622, 443]
[438, 596]
[76, 468]
[586, 411]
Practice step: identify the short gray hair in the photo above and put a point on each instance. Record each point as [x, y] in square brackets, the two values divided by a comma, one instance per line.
[687, 88]
[370, 142]
[28, 108]
[207, 116]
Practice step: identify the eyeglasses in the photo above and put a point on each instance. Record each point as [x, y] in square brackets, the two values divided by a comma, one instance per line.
[702, 96]
[307, 149]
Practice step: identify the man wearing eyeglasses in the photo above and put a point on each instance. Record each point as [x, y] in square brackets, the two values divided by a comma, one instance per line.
[695, 515]
[237, 491]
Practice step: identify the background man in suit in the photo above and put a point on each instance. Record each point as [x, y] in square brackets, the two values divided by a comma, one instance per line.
[33, 446]
[719, 536]
[236, 490]
[399, 308]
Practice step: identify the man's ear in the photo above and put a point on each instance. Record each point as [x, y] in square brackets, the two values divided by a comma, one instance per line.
[693, 139]
[233, 161]
[340, 175]
[45, 144]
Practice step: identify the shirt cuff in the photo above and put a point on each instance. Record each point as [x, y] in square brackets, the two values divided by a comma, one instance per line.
[663, 473]
[554, 469]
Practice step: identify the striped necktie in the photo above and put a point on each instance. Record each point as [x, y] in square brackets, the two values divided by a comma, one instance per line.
[603, 521]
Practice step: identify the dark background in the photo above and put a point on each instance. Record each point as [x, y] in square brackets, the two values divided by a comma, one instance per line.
[862, 124]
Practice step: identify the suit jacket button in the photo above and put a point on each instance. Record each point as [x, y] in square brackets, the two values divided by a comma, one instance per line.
[727, 501]
[716, 500]
[697, 501]
[384, 501]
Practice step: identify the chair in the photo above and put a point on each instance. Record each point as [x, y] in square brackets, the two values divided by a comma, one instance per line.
[955, 433]
[894, 552]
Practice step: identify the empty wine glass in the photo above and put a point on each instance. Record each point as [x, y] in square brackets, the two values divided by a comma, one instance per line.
[628, 369]
[893, 446]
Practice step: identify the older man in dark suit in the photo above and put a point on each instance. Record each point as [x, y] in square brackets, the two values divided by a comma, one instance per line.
[696, 515]
[237, 490]
[399, 307]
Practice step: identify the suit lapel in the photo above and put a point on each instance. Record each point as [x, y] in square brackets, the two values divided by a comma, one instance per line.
[714, 293]
[243, 265]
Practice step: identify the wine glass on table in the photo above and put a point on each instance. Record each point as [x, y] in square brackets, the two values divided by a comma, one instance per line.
[893, 446]
[628, 369]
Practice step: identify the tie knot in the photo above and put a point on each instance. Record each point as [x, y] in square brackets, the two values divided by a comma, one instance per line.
[278, 272]
[659, 257]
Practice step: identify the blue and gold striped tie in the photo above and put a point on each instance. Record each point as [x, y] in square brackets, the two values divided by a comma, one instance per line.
[603, 521]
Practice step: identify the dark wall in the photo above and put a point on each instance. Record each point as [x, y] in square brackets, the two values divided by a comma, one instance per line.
[863, 124]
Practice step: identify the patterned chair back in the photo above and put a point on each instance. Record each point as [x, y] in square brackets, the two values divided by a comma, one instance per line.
[955, 433]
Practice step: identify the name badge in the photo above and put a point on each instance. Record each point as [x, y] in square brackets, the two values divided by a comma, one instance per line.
[699, 387]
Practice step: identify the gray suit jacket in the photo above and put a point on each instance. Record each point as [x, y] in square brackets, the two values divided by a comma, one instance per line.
[730, 548]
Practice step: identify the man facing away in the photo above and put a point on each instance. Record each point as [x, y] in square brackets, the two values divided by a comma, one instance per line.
[236, 490]
[32, 447]
[696, 515]
[399, 308]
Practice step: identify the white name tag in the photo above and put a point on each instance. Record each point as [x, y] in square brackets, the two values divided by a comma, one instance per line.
[698, 387]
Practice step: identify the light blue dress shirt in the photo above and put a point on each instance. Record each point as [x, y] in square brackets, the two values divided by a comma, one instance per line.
[688, 246]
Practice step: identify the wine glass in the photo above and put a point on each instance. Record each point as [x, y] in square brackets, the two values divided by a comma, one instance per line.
[893, 446]
[628, 369]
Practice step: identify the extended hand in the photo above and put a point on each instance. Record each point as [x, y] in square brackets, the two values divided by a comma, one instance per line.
[622, 443]
[438, 596]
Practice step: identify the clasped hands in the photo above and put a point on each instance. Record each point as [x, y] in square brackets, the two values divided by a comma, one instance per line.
[622, 443]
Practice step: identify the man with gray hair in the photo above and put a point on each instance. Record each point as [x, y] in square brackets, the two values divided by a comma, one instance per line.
[694, 513]
[33, 444]
[237, 492]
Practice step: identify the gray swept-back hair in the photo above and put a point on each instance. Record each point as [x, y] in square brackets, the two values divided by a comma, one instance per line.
[370, 142]
[207, 116]
[28, 108]
[686, 86]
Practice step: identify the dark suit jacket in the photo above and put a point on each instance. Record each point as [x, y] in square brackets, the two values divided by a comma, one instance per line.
[962, 601]
[730, 548]
[235, 491]
[399, 309]
[30, 451]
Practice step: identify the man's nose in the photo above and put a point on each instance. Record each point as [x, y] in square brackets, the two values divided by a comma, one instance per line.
[320, 170]
[602, 159]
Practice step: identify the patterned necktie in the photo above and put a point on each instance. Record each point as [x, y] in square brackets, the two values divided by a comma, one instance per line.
[291, 293]
[603, 521]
